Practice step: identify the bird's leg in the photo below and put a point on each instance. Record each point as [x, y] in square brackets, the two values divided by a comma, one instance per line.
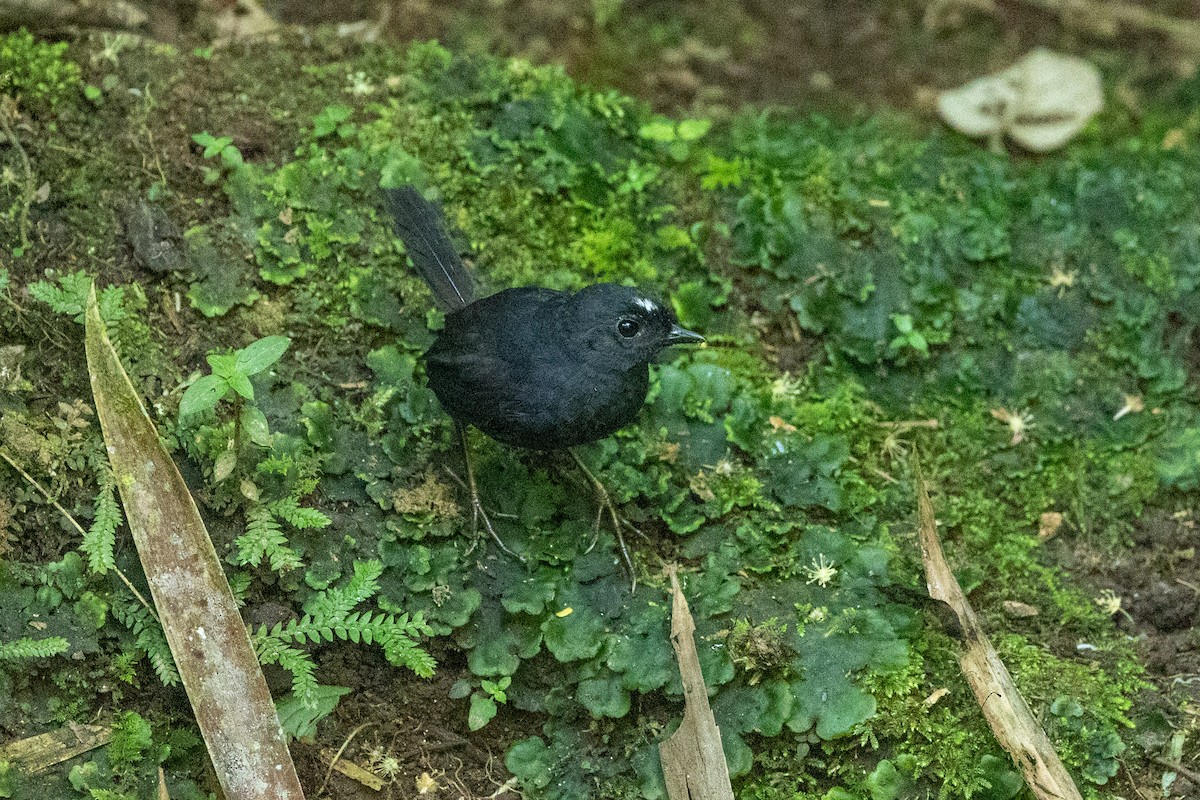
[463, 485]
[606, 504]
[477, 509]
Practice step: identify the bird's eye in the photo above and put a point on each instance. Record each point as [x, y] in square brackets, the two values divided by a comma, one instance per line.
[627, 328]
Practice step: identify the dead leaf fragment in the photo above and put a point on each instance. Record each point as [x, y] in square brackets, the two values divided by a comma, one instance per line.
[1040, 102]
[1048, 525]
[426, 784]
[780, 424]
[937, 695]
[698, 483]
[1173, 139]
[1015, 608]
[693, 760]
[200, 618]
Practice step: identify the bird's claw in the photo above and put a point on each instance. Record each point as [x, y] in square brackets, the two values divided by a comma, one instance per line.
[605, 503]
[479, 512]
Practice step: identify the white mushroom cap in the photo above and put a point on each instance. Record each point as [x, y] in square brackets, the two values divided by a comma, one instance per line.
[1040, 102]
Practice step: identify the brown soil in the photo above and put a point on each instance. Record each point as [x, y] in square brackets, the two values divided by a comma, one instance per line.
[406, 731]
[1158, 582]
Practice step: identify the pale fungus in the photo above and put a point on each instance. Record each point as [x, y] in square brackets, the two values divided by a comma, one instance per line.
[1040, 102]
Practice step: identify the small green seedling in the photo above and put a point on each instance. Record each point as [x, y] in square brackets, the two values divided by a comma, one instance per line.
[485, 700]
[232, 372]
[221, 148]
[910, 338]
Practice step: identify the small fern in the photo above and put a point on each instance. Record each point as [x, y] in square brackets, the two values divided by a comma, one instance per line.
[70, 294]
[149, 637]
[271, 650]
[298, 516]
[101, 536]
[25, 649]
[336, 603]
[264, 538]
[329, 616]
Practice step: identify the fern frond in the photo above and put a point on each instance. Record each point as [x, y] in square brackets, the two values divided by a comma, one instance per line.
[264, 538]
[298, 516]
[149, 638]
[331, 617]
[272, 651]
[25, 648]
[68, 296]
[336, 603]
[101, 536]
[404, 652]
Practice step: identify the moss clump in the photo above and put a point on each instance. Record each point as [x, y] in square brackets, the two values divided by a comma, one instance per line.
[36, 72]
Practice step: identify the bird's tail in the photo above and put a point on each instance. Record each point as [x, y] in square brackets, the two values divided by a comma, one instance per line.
[418, 223]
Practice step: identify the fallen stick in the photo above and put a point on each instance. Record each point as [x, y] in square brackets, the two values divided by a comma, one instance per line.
[1183, 32]
[1007, 713]
[693, 760]
[38, 753]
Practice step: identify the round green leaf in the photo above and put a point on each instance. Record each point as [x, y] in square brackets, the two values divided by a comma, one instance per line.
[531, 761]
[603, 697]
[482, 711]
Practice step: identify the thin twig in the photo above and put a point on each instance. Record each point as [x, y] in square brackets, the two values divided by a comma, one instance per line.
[8, 112]
[338, 755]
[33, 482]
[1190, 774]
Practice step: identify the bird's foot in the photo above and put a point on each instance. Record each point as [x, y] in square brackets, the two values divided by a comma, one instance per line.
[478, 513]
[604, 504]
[477, 510]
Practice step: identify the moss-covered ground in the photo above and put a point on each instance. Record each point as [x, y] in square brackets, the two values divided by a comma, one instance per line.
[856, 278]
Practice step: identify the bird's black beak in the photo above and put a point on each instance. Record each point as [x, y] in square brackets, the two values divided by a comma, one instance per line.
[680, 335]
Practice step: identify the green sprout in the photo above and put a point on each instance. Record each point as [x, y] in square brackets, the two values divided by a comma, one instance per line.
[220, 148]
[910, 338]
[231, 373]
[485, 700]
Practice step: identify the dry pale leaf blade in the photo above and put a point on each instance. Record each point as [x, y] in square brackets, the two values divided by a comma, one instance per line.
[38, 753]
[1007, 713]
[207, 636]
[693, 760]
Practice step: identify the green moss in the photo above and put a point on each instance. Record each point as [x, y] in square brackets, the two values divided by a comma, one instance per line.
[35, 72]
[786, 498]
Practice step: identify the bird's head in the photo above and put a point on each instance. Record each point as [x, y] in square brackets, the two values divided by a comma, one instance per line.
[624, 325]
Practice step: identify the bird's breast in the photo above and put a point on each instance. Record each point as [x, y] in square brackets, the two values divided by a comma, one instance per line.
[538, 399]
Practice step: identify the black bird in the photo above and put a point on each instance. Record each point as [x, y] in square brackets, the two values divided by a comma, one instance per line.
[533, 367]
